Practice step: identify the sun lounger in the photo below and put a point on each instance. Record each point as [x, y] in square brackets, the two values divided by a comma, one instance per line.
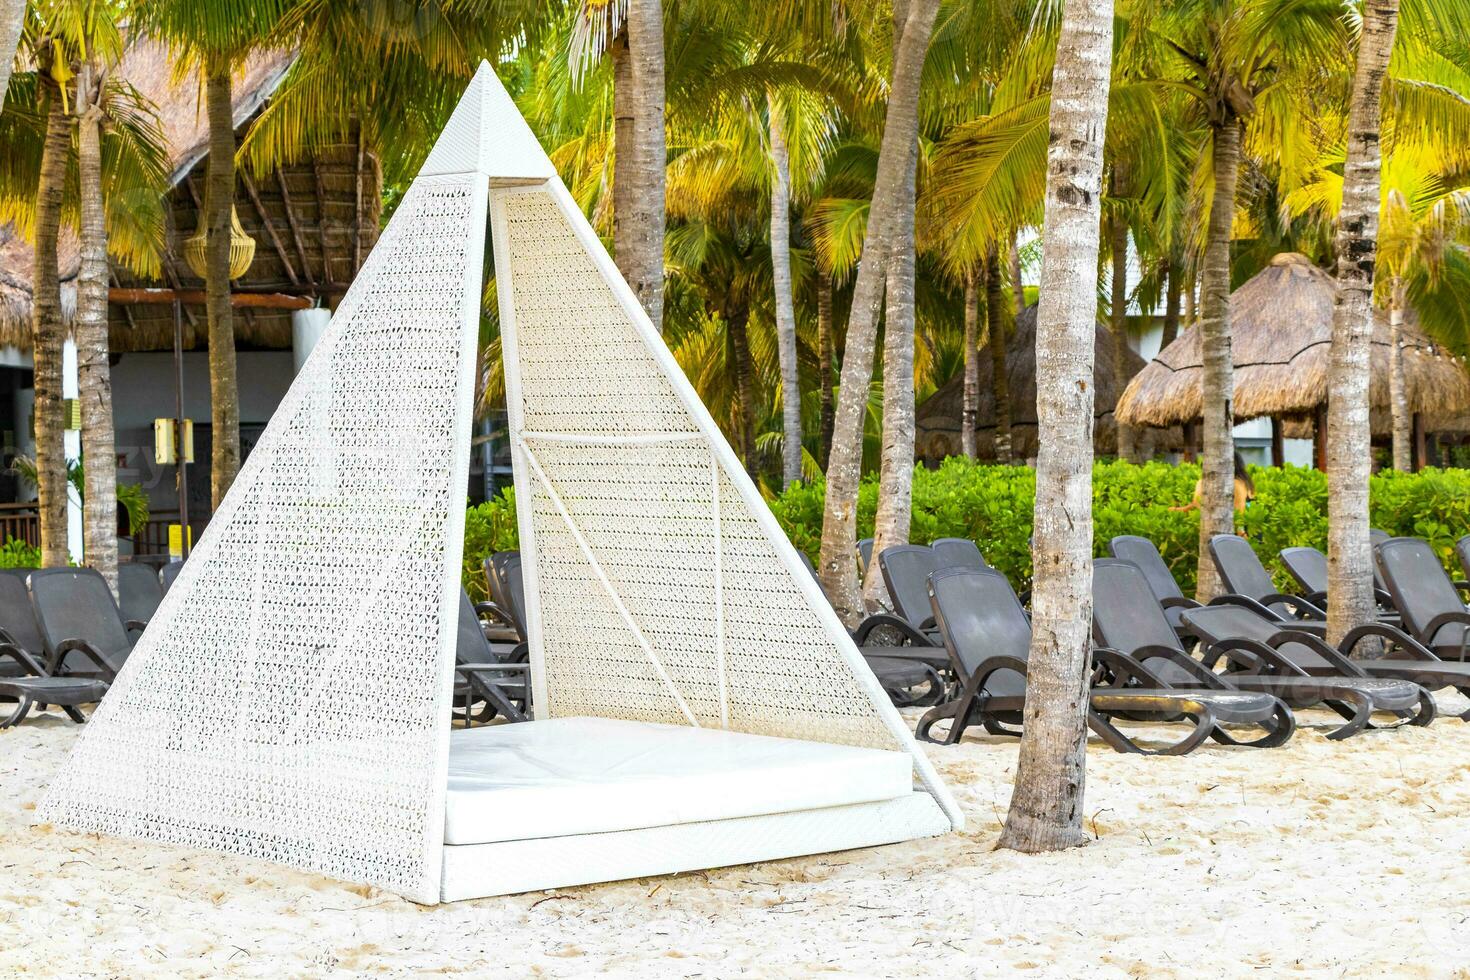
[138, 591]
[1144, 554]
[958, 553]
[501, 686]
[1308, 566]
[80, 623]
[33, 686]
[168, 573]
[1301, 669]
[1248, 583]
[988, 634]
[1432, 610]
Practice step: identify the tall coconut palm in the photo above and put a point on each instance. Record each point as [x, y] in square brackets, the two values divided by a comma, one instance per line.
[781, 283]
[1046, 803]
[646, 234]
[12, 17]
[1239, 63]
[216, 36]
[1349, 455]
[970, 405]
[48, 333]
[895, 158]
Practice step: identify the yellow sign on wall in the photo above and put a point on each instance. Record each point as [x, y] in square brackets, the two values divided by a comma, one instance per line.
[165, 451]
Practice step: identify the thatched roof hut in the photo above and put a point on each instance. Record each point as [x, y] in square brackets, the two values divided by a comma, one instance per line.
[938, 419]
[1281, 336]
[313, 222]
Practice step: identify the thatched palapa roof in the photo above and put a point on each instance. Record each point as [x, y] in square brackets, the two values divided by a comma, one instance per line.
[1281, 337]
[938, 419]
[312, 222]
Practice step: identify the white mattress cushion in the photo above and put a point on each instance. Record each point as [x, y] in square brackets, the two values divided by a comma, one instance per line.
[568, 776]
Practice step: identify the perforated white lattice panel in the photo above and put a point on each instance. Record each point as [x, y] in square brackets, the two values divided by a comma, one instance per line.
[289, 700]
[660, 587]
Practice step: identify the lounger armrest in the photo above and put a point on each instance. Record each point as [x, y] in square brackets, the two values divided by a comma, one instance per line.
[1413, 649]
[8, 649]
[1300, 606]
[890, 621]
[1236, 599]
[85, 648]
[1253, 656]
[1125, 670]
[1318, 645]
[135, 624]
[1179, 602]
[1432, 628]
[493, 612]
[993, 665]
[1318, 599]
[1206, 676]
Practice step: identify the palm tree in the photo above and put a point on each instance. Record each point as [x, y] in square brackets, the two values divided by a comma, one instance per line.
[1046, 804]
[785, 301]
[650, 153]
[12, 18]
[1349, 432]
[970, 406]
[215, 36]
[1239, 63]
[47, 330]
[895, 159]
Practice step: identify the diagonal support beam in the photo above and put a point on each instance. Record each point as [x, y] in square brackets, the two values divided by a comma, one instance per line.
[612, 592]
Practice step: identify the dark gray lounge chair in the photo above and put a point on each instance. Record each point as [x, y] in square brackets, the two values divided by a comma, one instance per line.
[1462, 552]
[168, 573]
[502, 687]
[1129, 622]
[900, 670]
[1126, 617]
[80, 624]
[1378, 536]
[1249, 584]
[1308, 566]
[988, 634]
[138, 591]
[1433, 611]
[864, 556]
[18, 622]
[1145, 555]
[958, 553]
[33, 686]
[1268, 655]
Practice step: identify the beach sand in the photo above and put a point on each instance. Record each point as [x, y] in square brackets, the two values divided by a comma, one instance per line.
[1319, 858]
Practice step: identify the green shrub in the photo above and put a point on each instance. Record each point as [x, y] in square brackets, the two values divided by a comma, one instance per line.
[15, 553]
[992, 505]
[488, 528]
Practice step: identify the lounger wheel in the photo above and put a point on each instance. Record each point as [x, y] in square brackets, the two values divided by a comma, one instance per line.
[1356, 707]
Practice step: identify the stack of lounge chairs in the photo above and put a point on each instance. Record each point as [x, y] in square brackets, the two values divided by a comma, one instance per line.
[1248, 659]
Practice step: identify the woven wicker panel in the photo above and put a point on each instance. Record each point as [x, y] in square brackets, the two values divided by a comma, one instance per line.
[647, 514]
[289, 699]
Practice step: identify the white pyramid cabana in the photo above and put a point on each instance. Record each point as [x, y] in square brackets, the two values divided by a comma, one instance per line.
[290, 698]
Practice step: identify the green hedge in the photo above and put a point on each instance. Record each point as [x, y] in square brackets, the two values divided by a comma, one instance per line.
[993, 504]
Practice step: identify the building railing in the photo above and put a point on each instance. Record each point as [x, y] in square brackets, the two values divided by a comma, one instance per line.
[22, 522]
[152, 538]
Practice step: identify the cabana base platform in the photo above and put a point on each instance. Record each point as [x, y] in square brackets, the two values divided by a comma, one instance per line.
[510, 867]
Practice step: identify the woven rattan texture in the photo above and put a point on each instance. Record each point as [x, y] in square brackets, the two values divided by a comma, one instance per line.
[285, 701]
[647, 515]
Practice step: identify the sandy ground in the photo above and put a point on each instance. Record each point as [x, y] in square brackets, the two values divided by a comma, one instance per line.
[1320, 858]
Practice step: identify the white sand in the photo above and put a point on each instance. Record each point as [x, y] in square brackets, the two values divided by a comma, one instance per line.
[1341, 859]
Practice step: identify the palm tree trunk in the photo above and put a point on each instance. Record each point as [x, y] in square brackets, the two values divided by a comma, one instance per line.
[896, 467]
[970, 407]
[12, 16]
[785, 304]
[1018, 291]
[1349, 432]
[737, 322]
[1217, 461]
[1118, 311]
[48, 333]
[1000, 376]
[219, 195]
[1173, 293]
[99, 518]
[625, 152]
[1046, 802]
[646, 197]
[827, 356]
[1398, 390]
[844, 466]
